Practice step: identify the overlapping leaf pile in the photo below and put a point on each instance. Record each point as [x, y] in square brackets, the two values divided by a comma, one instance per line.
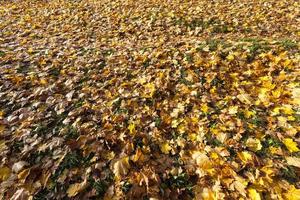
[149, 99]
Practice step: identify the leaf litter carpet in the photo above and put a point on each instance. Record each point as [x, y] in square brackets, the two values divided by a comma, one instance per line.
[149, 99]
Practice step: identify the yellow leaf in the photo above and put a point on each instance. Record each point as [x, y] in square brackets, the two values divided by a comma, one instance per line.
[290, 145]
[214, 155]
[245, 156]
[208, 194]
[204, 108]
[249, 114]
[202, 160]
[193, 137]
[230, 57]
[276, 111]
[131, 128]
[181, 128]
[233, 110]
[138, 156]
[4, 173]
[293, 194]
[175, 123]
[294, 161]
[30, 50]
[254, 144]
[149, 89]
[296, 96]
[277, 93]
[165, 148]
[75, 188]
[109, 155]
[43, 81]
[275, 150]
[23, 174]
[121, 167]
[253, 194]
[268, 170]
[43, 62]
[282, 121]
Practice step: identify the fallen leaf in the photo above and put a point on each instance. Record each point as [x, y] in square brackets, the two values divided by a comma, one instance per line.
[292, 194]
[131, 128]
[253, 194]
[4, 173]
[290, 145]
[253, 144]
[233, 110]
[245, 156]
[76, 188]
[245, 98]
[121, 167]
[18, 166]
[294, 161]
[165, 148]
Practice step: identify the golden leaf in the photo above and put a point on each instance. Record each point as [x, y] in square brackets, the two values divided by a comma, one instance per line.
[253, 144]
[245, 156]
[296, 96]
[208, 194]
[204, 108]
[253, 194]
[282, 121]
[2, 128]
[202, 160]
[233, 110]
[165, 148]
[149, 90]
[1, 113]
[292, 194]
[290, 145]
[23, 174]
[138, 156]
[230, 57]
[30, 50]
[4, 173]
[43, 81]
[131, 128]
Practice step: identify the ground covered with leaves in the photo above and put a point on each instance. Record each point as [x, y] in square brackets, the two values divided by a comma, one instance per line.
[154, 99]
